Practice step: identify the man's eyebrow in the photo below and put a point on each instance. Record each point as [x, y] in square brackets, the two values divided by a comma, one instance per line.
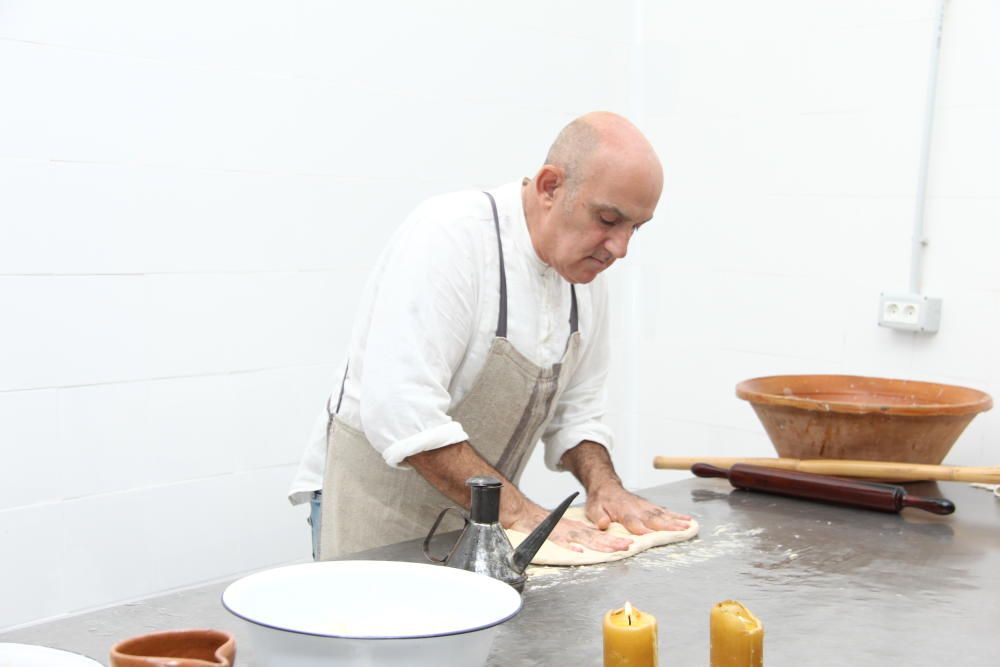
[611, 208]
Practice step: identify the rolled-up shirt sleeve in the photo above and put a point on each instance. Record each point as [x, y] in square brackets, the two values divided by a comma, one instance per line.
[423, 315]
[579, 413]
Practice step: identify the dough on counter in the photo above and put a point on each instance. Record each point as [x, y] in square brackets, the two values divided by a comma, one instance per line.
[553, 554]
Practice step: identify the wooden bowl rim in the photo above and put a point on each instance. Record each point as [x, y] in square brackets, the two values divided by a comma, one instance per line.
[752, 391]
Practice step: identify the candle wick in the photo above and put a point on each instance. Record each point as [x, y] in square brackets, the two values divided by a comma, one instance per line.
[629, 619]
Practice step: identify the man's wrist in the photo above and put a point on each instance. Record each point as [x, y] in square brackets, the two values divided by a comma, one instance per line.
[610, 484]
[591, 464]
[517, 508]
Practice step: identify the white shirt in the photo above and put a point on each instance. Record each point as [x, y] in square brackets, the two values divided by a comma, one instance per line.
[426, 322]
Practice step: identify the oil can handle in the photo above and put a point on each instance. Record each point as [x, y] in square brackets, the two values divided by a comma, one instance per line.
[437, 522]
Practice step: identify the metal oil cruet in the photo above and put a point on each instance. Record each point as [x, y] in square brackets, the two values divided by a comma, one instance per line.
[483, 546]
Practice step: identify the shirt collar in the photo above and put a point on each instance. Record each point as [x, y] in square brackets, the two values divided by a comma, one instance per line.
[511, 210]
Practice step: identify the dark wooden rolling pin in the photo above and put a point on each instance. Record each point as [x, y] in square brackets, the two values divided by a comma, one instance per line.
[870, 495]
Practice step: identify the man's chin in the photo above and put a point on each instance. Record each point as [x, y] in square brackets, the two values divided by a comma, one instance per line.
[584, 276]
[583, 272]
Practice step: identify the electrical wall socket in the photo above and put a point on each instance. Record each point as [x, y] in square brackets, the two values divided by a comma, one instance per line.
[909, 312]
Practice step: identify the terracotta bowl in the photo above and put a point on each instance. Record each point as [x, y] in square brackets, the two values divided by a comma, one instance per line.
[852, 417]
[176, 648]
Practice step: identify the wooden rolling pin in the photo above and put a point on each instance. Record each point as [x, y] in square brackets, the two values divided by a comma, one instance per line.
[882, 470]
[881, 497]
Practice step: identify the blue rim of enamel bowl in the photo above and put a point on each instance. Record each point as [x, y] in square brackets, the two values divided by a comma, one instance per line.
[463, 631]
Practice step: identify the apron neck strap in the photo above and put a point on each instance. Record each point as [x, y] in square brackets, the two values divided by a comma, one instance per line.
[574, 317]
[502, 317]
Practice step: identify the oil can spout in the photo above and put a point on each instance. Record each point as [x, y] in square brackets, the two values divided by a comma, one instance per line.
[527, 550]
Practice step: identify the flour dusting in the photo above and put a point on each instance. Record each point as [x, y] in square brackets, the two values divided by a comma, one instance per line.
[724, 539]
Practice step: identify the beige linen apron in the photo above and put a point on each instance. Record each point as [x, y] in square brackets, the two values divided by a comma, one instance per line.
[367, 503]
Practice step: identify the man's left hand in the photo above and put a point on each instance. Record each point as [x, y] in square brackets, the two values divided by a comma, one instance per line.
[611, 502]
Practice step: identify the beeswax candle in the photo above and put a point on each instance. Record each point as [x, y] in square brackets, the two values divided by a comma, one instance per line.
[737, 636]
[629, 638]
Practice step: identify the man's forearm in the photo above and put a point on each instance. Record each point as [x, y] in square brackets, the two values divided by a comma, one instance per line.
[591, 464]
[447, 468]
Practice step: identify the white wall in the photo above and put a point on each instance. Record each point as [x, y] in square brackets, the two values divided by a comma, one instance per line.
[190, 193]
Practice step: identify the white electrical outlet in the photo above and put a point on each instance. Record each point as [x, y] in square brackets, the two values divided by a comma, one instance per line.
[909, 312]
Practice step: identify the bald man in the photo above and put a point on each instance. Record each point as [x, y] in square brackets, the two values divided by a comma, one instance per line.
[484, 330]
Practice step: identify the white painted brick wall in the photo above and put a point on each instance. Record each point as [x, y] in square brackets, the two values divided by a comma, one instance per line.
[184, 186]
[790, 133]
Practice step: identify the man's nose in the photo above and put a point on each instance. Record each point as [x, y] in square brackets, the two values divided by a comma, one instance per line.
[617, 243]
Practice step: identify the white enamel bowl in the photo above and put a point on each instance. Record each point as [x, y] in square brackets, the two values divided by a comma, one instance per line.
[29, 655]
[362, 613]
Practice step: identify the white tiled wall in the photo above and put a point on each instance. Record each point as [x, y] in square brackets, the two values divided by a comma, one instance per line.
[187, 187]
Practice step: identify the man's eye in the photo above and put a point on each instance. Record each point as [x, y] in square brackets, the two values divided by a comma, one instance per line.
[607, 222]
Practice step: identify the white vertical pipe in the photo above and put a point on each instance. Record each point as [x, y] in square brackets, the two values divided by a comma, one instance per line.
[632, 432]
[918, 243]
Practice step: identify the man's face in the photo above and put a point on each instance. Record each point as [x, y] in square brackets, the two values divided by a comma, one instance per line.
[590, 228]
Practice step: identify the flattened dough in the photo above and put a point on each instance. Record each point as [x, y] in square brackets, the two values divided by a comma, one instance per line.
[553, 554]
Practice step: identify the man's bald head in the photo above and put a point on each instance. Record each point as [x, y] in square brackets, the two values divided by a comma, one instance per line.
[600, 182]
[593, 140]
[571, 150]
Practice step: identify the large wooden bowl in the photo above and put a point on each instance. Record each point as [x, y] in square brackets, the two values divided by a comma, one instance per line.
[852, 417]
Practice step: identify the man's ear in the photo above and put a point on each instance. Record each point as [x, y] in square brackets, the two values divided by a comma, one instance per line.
[549, 179]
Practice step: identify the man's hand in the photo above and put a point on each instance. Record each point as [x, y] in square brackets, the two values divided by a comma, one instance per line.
[568, 533]
[608, 501]
[638, 515]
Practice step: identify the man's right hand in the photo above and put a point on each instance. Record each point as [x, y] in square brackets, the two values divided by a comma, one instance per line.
[568, 533]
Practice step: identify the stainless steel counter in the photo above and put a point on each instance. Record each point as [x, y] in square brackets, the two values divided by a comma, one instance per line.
[833, 586]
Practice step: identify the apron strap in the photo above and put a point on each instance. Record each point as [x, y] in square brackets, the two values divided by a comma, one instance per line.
[574, 318]
[340, 398]
[502, 317]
